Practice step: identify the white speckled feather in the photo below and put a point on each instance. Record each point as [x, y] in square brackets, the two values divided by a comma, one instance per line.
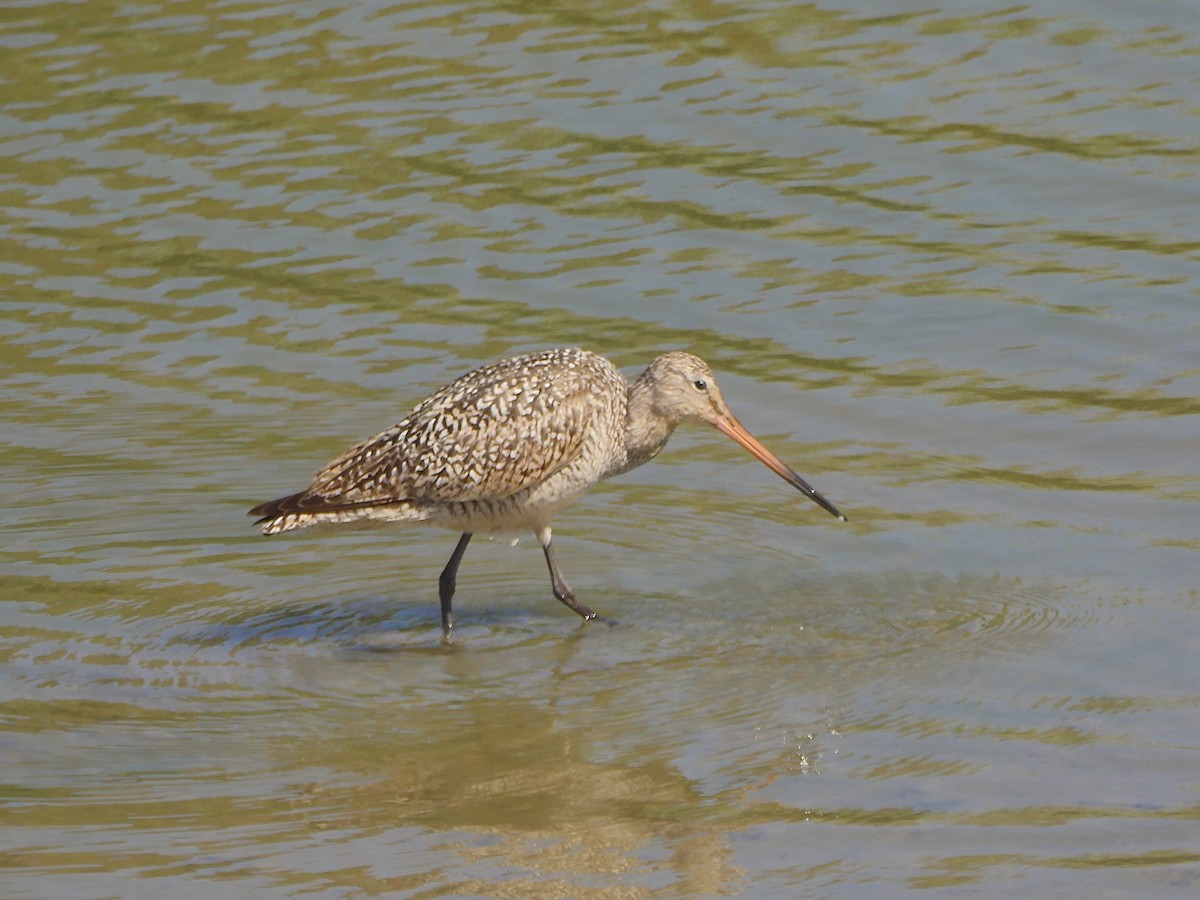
[550, 423]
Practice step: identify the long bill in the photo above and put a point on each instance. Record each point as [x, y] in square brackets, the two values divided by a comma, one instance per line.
[734, 429]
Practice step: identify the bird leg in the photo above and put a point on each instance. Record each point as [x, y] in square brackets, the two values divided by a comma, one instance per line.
[447, 582]
[562, 590]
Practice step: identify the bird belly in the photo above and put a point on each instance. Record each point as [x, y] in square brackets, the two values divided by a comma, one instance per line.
[522, 512]
[518, 514]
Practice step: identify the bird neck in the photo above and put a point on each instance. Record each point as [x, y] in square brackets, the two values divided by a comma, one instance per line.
[646, 430]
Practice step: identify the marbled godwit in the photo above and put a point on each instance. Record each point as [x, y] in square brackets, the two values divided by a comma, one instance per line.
[502, 448]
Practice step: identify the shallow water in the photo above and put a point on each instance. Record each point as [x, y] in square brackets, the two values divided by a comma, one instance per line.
[944, 263]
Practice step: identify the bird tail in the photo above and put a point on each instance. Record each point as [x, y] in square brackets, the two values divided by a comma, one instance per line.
[285, 514]
[304, 509]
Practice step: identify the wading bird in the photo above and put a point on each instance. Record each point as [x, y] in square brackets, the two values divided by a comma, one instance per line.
[504, 447]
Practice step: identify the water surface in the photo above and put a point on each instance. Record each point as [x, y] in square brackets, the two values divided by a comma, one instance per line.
[944, 262]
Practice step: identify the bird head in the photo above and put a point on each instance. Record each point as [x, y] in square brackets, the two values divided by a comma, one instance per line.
[684, 389]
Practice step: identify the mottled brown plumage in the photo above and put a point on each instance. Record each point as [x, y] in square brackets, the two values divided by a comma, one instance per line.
[505, 446]
[490, 435]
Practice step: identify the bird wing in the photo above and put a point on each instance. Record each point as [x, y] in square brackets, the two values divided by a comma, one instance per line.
[492, 433]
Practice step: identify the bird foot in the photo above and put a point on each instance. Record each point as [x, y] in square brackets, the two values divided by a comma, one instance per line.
[592, 617]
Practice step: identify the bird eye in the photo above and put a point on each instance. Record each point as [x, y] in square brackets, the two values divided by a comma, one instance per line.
[700, 384]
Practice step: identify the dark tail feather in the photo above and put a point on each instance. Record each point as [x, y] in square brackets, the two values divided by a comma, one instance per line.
[273, 509]
[305, 503]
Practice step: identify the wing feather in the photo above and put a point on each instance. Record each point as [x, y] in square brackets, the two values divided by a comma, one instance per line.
[492, 433]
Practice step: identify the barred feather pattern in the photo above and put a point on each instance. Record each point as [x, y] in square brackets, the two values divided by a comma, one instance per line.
[499, 448]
